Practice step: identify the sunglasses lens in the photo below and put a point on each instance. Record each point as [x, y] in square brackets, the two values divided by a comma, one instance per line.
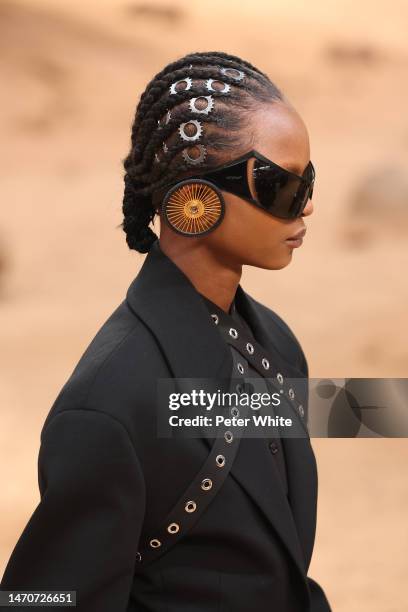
[279, 192]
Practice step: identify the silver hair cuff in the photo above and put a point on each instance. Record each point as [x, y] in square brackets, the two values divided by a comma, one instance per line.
[186, 80]
[237, 77]
[166, 120]
[197, 160]
[195, 136]
[209, 86]
[204, 111]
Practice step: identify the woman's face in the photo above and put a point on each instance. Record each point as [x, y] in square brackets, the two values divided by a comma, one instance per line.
[248, 235]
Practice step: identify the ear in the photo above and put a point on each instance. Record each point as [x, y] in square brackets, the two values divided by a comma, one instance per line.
[193, 207]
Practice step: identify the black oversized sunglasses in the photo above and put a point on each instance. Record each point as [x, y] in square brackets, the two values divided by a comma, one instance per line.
[278, 191]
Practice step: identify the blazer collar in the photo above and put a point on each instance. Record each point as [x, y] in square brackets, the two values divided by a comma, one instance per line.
[169, 304]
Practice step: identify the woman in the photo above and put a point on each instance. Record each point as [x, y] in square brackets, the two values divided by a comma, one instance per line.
[134, 520]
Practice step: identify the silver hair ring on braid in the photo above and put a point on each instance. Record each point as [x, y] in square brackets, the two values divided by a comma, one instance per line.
[193, 105]
[238, 76]
[187, 80]
[196, 136]
[210, 87]
[166, 120]
[195, 160]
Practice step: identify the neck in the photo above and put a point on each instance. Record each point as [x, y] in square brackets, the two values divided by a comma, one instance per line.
[209, 271]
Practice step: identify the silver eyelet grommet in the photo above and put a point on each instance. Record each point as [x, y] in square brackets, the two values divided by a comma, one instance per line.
[155, 543]
[240, 367]
[138, 556]
[165, 147]
[173, 528]
[301, 410]
[187, 80]
[190, 506]
[291, 393]
[220, 461]
[234, 412]
[206, 484]
[279, 378]
[195, 160]
[182, 131]
[201, 111]
[210, 87]
[228, 437]
[250, 348]
[238, 76]
[265, 363]
[215, 318]
[233, 332]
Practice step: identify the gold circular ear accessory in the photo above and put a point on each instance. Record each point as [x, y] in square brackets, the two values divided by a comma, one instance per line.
[193, 207]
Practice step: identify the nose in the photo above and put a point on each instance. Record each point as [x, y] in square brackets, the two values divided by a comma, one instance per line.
[308, 209]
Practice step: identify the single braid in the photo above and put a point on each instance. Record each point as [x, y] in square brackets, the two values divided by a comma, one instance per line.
[159, 153]
[138, 214]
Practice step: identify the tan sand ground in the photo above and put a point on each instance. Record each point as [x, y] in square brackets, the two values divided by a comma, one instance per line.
[72, 74]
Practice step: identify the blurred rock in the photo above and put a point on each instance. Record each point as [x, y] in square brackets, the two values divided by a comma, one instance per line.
[378, 207]
[349, 54]
[154, 11]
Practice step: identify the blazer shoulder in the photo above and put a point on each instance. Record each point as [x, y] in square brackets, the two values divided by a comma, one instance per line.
[285, 338]
[112, 368]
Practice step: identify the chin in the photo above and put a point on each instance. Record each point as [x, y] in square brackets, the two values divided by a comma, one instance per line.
[271, 262]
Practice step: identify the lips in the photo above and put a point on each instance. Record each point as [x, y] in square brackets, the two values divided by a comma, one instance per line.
[299, 235]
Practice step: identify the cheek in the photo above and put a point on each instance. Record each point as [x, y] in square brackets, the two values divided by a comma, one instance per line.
[249, 224]
[251, 236]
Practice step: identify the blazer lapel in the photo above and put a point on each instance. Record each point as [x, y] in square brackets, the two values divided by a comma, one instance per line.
[164, 298]
[168, 303]
[299, 457]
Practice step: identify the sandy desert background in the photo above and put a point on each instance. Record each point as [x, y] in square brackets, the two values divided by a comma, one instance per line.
[72, 73]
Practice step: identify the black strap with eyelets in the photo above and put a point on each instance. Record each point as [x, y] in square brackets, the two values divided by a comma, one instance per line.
[195, 499]
[237, 336]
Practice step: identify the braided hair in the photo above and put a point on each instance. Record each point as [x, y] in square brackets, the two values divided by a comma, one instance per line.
[176, 107]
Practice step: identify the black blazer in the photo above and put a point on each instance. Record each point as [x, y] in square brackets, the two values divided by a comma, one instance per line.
[107, 481]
